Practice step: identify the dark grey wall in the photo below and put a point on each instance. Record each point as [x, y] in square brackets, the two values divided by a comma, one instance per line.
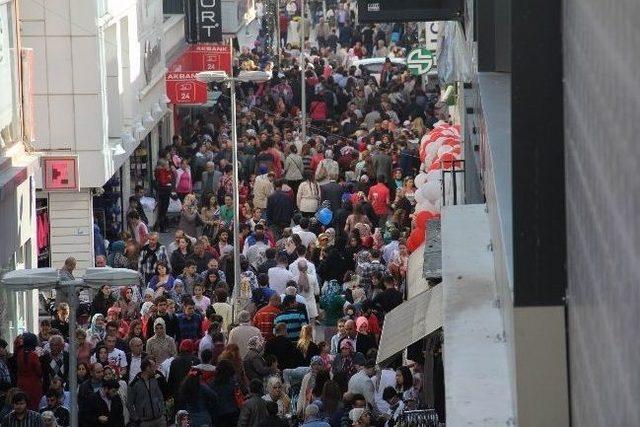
[602, 117]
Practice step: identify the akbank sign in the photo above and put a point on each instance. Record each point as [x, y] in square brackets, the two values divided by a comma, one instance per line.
[209, 14]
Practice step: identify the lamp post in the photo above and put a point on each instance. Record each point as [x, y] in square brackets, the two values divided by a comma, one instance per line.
[48, 278]
[243, 77]
[303, 83]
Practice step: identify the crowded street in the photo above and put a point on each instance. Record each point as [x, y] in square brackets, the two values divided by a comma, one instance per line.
[267, 254]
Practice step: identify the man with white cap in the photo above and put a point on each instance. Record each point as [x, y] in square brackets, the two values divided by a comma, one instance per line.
[241, 334]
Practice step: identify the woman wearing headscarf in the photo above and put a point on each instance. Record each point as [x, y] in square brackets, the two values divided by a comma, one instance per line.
[308, 287]
[29, 370]
[113, 315]
[308, 382]
[255, 366]
[116, 258]
[97, 330]
[145, 314]
[342, 365]
[103, 300]
[365, 341]
[127, 306]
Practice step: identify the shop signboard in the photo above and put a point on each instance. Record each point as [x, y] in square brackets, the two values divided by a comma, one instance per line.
[60, 173]
[419, 61]
[409, 10]
[209, 14]
[182, 86]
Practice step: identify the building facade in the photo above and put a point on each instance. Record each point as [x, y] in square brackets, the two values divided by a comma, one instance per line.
[99, 94]
[18, 167]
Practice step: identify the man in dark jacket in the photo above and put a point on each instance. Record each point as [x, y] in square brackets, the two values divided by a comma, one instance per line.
[181, 365]
[144, 396]
[55, 362]
[254, 409]
[332, 191]
[284, 350]
[279, 209]
[87, 389]
[106, 408]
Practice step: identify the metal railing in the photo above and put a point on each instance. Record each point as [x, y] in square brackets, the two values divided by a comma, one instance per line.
[453, 182]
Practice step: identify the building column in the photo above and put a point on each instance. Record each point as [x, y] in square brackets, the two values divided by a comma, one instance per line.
[539, 229]
[71, 221]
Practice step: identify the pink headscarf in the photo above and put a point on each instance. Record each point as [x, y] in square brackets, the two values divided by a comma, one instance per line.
[362, 322]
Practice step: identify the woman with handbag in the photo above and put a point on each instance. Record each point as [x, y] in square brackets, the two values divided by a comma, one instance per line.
[308, 198]
[293, 168]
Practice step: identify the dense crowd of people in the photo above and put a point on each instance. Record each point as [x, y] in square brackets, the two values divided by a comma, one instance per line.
[323, 236]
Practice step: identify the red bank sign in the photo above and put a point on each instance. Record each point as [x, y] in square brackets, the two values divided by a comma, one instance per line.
[182, 86]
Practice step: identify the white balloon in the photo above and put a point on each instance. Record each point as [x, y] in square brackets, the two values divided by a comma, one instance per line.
[432, 151]
[434, 175]
[420, 179]
[421, 198]
[432, 191]
[425, 206]
[444, 149]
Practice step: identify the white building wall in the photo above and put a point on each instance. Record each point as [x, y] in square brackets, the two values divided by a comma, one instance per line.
[91, 89]
[71, 219]
[90, 83]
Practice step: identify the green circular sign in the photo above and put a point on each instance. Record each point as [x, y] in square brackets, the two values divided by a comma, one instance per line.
[420, 61]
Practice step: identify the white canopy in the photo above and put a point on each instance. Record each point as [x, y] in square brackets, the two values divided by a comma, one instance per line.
[111, 276]
[25, 280]
[411, 321]
[40, 278]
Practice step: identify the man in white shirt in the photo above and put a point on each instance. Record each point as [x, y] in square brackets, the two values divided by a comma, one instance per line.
[117, 358]
[361, 383]
[293, 267]
[382, 379]
[135, 359]
[302, 230]
[279, 276]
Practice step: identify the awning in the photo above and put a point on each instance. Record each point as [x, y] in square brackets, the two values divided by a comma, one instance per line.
[182, 86]
[411, 321]
[42, 278]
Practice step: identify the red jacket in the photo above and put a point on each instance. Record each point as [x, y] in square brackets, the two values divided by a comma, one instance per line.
[163, 177]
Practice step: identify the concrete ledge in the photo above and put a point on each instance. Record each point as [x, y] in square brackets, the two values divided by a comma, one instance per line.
[477, 375]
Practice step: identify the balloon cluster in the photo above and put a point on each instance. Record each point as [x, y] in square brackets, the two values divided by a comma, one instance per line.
[439, 149]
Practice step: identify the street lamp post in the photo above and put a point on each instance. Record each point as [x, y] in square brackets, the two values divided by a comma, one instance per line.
[303, 83]
[47, 278]
[243, 77]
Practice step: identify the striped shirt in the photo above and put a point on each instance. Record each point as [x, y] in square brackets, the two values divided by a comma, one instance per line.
[32, 419]
[294, 320]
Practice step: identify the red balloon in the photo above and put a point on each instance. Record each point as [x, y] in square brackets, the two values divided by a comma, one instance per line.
[451, 141]
[423, 217]
[416, 238]
[447, 160]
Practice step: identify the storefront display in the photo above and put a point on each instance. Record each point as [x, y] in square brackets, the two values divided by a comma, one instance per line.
[108, 207]
[140, 165]
[43, 233]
